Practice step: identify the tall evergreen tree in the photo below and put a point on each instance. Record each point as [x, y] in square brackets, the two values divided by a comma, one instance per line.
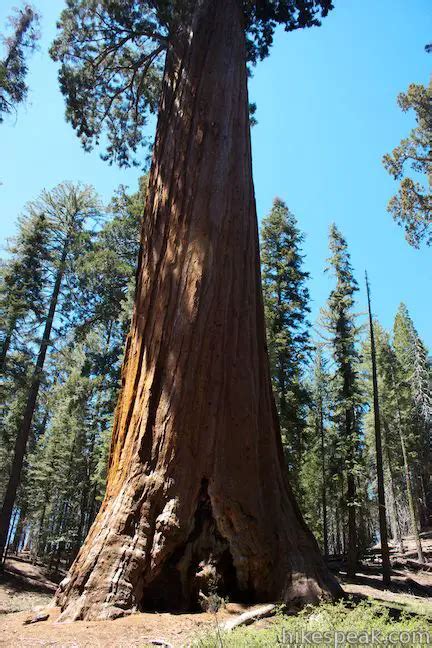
[106, 273]
[60, 468]
[315, 476]
[23, 278]
[13, 66]
[390, 406]
[413, 397]
[385, 556]
[412, 205]
[84, 369]
[340, 323]
[286, 303]
[66, 208]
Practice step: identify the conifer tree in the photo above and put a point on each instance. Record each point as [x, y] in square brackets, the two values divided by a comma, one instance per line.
[315, 476]
[99, 277]
[385, 556]
[66, 208]
[106, 272]
[58, 466]
[23, 279]
[340, 323]
[412, 393]
[286, 303]
[412, 205]
[389, 410]
[13, 66]
[320, 393]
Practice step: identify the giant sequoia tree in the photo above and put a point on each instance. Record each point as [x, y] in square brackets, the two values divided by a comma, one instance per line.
[197, 493]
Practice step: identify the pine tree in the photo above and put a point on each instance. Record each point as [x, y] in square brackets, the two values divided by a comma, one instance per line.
[412, 206]
[315, 477]
[66, 208]
[57, 467]
[99, 276]
[23, 278]
[106, 272]
[385, 556]
[421, 385]
[286, 300]
[412, 399]
[13, 67]
[392, 452]
[339, 321]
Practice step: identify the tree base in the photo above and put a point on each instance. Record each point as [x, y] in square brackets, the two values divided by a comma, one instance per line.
[116, 578]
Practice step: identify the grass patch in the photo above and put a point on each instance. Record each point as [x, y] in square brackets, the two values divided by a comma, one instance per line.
[339, 625]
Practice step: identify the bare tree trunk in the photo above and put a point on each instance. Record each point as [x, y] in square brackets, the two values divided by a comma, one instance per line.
[41, 534]
[197, 490]
[352, 535]
[19, 530]
[6, 344]
[411, 503]
[9, 537]
[27, 419]
[385, 555]
[408, 483]
[324, 485]
[424, 501]
[351, 542]
[394, 516]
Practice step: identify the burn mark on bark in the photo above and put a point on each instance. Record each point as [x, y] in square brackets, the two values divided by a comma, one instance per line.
[203, 563]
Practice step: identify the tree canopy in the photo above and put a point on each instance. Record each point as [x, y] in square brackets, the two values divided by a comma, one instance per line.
[411, 207]
[13, 67]
[112, 57]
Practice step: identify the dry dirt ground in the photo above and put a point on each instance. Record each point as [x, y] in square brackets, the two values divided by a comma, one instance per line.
[25, 590]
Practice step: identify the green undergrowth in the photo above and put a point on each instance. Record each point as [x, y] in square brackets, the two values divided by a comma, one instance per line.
[339, 625]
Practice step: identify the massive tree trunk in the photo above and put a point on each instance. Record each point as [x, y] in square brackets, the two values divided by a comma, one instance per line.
[197, 493]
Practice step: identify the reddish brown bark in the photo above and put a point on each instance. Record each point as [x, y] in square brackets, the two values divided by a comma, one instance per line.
[197, 489]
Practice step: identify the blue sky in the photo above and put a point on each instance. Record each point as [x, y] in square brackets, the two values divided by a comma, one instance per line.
[326, 114]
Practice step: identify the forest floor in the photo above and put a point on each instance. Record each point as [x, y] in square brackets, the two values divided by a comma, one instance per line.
[26, 590]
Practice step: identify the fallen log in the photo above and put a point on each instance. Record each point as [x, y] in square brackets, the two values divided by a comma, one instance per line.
[41, 616]
[413, 564]
[249, 617]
